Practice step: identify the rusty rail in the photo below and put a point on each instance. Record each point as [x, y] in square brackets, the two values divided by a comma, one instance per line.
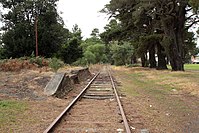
[55, 122]
[120, 106]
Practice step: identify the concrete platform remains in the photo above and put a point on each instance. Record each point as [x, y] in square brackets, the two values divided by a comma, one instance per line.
[63, 82]
[54, 84]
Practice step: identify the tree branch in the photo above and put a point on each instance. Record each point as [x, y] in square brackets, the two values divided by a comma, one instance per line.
[190, 17]
[172, 8]
[187, 27]
[189, 9]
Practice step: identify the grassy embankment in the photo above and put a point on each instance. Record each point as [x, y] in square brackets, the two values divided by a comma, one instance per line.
[166, 99]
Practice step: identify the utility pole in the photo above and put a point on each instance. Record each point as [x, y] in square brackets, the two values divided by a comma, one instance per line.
[36, 35]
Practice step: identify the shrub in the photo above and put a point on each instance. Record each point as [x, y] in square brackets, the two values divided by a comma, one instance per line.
[39, 61]
[55, 63]
[121, 54]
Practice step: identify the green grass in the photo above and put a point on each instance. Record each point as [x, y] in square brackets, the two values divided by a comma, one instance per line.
[8, 104]
[10, 110]
[189, 67]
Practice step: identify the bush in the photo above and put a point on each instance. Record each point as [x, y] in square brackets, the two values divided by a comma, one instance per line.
[80, 62]
[55, 64]
[121, 54]
[93, 54]
[40, 61]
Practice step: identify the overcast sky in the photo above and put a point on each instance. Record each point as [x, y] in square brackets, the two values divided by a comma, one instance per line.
[84, 13]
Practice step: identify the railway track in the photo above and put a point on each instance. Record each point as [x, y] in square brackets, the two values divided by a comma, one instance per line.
[96, 109]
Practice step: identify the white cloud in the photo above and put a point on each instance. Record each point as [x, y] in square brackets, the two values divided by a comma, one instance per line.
[84, 13]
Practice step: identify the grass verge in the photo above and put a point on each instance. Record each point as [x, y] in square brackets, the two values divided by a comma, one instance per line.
[162, 97]
[189, 67]
[10, 111]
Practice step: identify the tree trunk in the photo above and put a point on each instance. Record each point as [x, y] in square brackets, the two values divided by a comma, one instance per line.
[144, 60]
[162, 64]
[173, 28]
[180, 31]
[152, 60]
[133, 59]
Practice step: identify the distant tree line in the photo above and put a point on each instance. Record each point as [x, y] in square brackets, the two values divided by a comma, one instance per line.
[154, 31]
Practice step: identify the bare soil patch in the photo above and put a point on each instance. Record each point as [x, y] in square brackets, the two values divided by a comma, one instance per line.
[25, 84]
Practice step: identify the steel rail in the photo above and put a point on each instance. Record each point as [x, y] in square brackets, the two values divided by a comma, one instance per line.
[120, 105]
[55, 122]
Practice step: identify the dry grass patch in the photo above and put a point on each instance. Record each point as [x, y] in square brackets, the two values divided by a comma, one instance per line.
[168, 101]
[182, 81]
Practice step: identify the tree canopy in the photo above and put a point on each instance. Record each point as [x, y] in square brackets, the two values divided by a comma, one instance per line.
[19, 35]
[168, 20]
